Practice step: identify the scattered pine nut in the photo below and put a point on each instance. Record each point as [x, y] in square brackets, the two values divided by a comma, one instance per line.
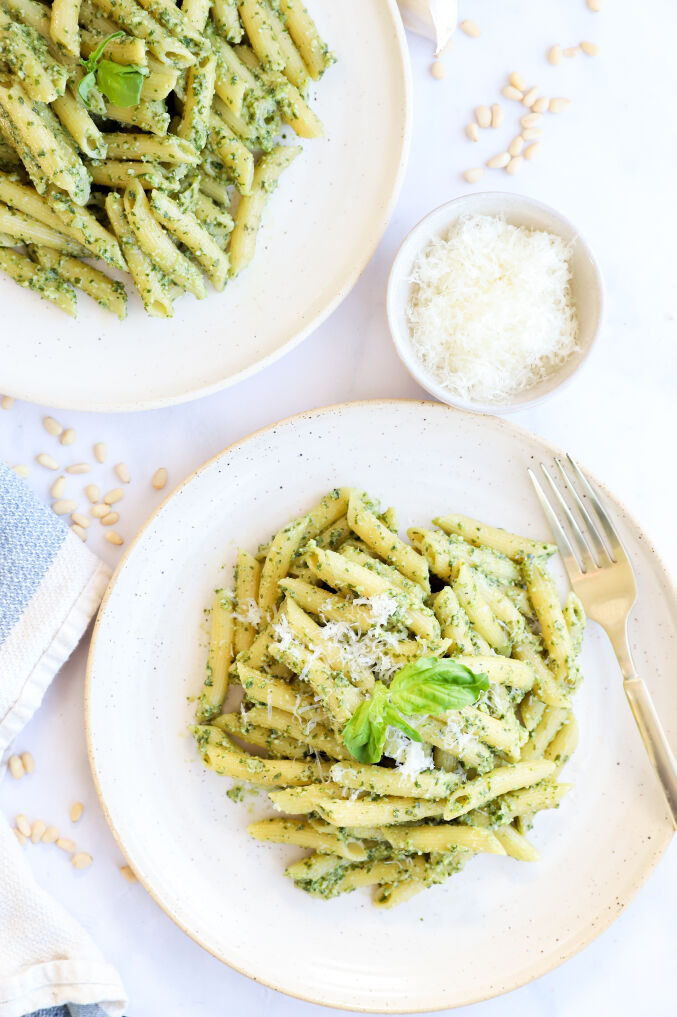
[37, 830]
[595, 5]
[496, 115]
[571, 51]
[49, 462]
[78, 468]
[28, 762]
[515, 165]
[110, 519]
[21, 470]
[64, 507]
[558, 105]
[510, 92]
[113, 537]
[483, 116]
[541, 105]
[590, 48]
[123, 473]
[65, 844]
[518, 81]
[438, 70]
[79, 532]
[22, 825]
[50, 835]
[532, 119]
[473, 132]
[58, 487]
[16, 767]
[472, 176]
[81, 860]
[529, 133]
[532, 150]
[555, 55]
[81, 520]
[7, 402]
[100, 451]
[499, 161]
[76, 811]
[516, 145]
[160, 476]
[93, 493]
[68, 436]
[117, 494]
[100, 510]
[52, 426]
[128, 873]
[21, 837]
[530, 97]
[470, 28]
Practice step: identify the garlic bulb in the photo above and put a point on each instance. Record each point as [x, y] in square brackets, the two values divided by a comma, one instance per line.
[436, 19]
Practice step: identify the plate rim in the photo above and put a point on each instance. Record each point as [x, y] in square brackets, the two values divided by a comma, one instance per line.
[115, 405]
[539, 968]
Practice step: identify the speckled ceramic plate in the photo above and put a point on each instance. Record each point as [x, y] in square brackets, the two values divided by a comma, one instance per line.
[319, 231]
[499, 923]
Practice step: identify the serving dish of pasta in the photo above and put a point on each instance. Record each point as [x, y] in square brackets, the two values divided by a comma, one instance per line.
[391, 696]
[147, 150]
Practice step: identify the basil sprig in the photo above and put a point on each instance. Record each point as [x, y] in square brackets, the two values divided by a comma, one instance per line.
[429, 685]
[120, 83]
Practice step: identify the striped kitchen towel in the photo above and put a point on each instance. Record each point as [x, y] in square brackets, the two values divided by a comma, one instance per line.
[50, 587]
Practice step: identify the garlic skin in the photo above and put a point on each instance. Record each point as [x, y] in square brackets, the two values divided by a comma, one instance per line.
[435, 19]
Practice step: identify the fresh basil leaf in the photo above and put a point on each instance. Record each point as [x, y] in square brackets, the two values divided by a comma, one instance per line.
[358, 735]
[121, 84]
[394, 718]
[433, 686]
[94, 57]
[85, 87]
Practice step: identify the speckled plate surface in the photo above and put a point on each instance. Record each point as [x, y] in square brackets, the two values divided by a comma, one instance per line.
[319, 231]
[499, 923]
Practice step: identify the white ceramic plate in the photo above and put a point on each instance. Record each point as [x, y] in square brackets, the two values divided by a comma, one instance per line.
[319, 231]
[499, 923]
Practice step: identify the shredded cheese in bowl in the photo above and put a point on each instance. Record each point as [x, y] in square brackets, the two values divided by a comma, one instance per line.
[490, 311]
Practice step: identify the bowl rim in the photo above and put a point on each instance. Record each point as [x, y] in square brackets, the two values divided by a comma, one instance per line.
[402, 342]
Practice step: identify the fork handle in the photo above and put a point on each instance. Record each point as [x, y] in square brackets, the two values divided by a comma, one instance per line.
[654, 738]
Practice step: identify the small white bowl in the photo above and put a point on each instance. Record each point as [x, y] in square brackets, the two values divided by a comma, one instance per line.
[586, 285]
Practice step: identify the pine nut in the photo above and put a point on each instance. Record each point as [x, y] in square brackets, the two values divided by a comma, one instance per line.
[590, 48]
[530, 97]
[571, 51]
[93, 493]
[113, 537]
[50, 835]
[555, 55]
[68, 436]
[438, 70]
[473, 132]
[28, 762]
[65, 844]
[7, 402]
[81, 520]
[76, 811]
[37, 830]
[23, 840]
[472, 176]
[515, 165]
[518, 81]
[64, 507]
[123, 473]
[498, 161]
[595, 5]
[510, 92]
[516, 145]
[79, 532]
[16, 767]
[49, 462]
[100, 451]
[529, 133]
[496, 115]
[160, 476]
[58, 487]
[52, 426]
[532, 150]
[21, 470]
[117, 494]
[100, 510]
[81, 860]
[541, 105]
[128, 874]
[531, 119]
[470, 28]
[483, 116]
[23, 825]
[110, 519]
[78, 468]
[558, 105]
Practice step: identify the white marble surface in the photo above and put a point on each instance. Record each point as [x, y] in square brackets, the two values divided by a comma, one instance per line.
[608, 163]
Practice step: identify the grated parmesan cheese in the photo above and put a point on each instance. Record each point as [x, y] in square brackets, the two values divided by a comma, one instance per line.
[411, 758]
[490, 310]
